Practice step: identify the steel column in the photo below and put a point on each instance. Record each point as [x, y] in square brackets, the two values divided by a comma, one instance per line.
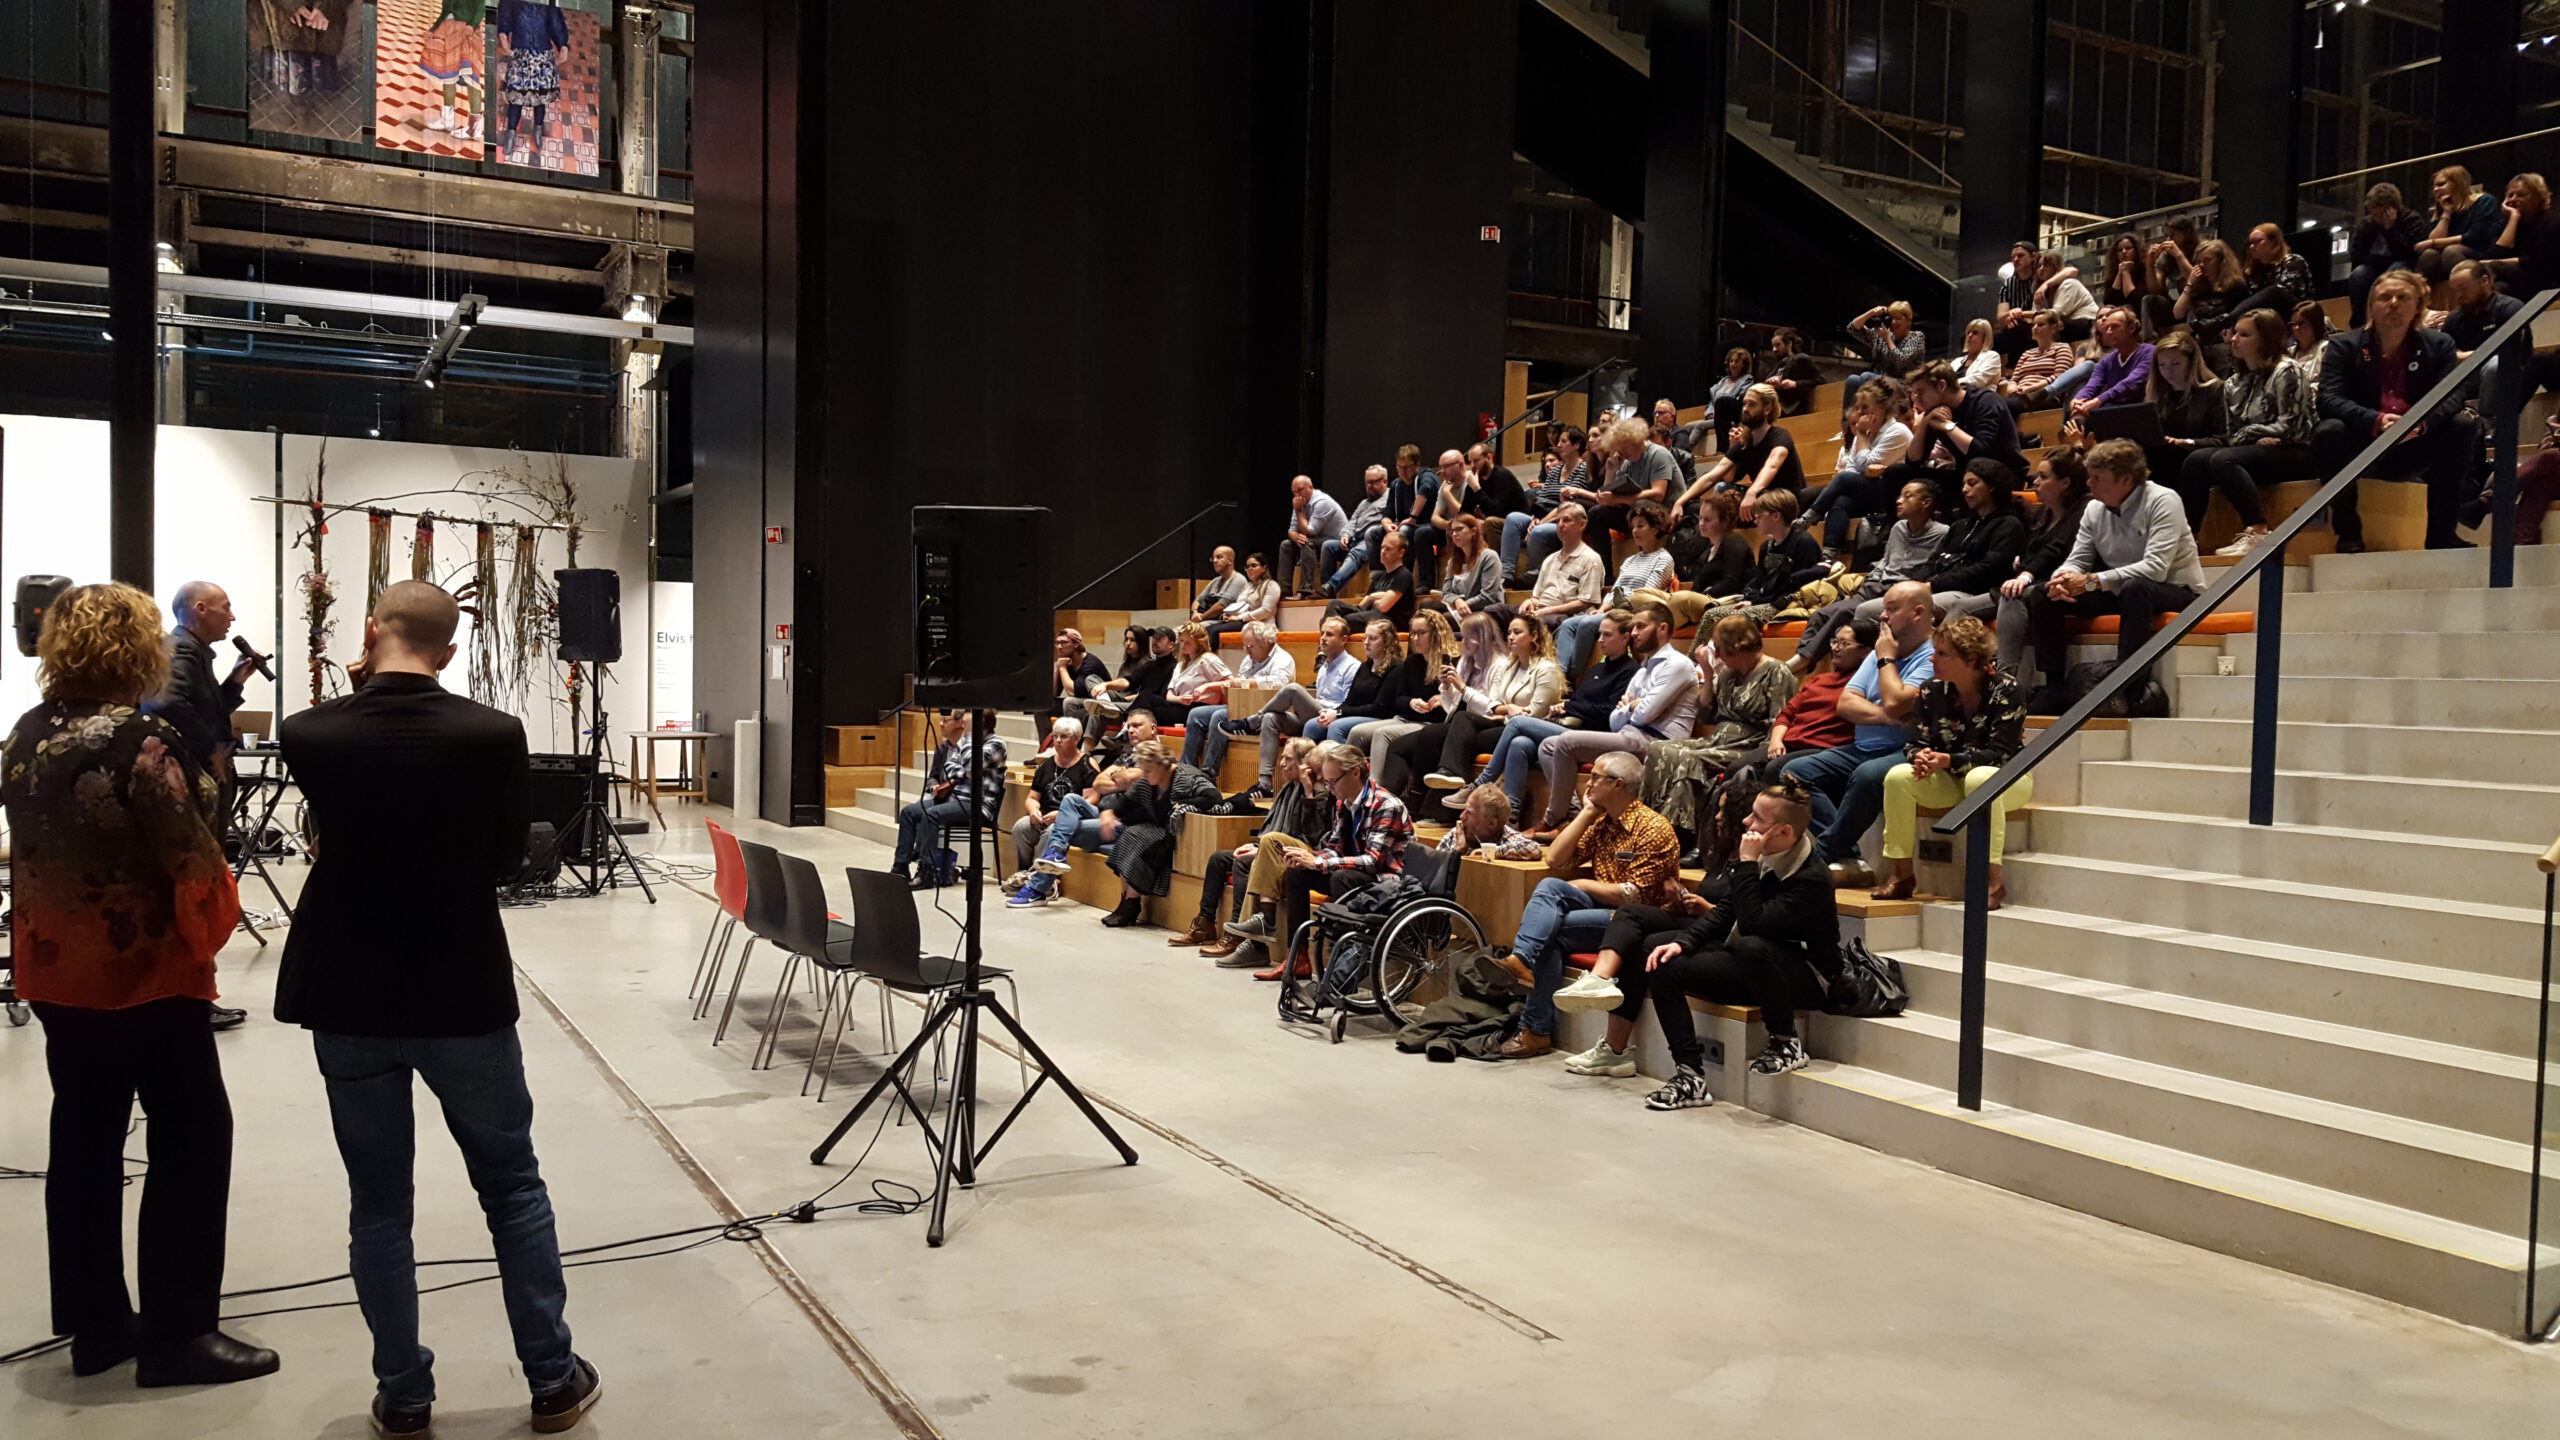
[133, 286]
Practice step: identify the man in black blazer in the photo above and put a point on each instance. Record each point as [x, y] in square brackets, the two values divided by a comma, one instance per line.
[398, 964]
[2371, 380]
[199, 707]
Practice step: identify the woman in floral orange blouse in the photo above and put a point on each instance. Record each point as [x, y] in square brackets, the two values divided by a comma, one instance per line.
[120, 898]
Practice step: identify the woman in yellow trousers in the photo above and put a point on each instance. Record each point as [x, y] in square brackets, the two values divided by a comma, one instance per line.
[1967, 723]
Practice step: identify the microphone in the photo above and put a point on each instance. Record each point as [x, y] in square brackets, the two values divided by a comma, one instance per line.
[256, 660]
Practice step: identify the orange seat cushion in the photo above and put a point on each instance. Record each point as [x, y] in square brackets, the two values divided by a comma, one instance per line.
[2222, 623]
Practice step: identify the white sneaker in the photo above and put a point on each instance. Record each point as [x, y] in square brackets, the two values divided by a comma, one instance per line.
[2245, 542]
[1601, 1060]
[1687, 1091]
[1443, 780]
[1590, 991]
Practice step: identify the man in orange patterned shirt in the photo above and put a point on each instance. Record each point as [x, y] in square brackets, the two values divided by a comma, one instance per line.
[1635, 860]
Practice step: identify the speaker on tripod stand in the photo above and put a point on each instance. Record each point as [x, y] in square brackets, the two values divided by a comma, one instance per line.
[591, 850]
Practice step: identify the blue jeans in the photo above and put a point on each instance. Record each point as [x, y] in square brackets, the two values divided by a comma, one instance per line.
[1202, 737]
[2068, 383]
[1557, 921]
[479, 1082]
[1848, 496]
[1514, 751]
[1574, 639]
[1847, 786]
[920, 827]
[1079, 823]
[1537, 536]
[1341, 562]
[1340, 729]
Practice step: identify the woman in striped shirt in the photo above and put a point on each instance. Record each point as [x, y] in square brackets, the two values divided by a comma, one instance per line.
[2030, 382]
[1568, 466]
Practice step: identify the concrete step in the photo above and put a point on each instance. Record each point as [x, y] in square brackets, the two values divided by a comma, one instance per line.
[2446, 1268]
[864, 824]
[2420, 752]
[2451, 654]
[2496, 1014]
[2504, 809]
[2474, 608]
[2386, 1077]
[2484, 939]
[2536, 565]
[2348, 700]
[2450, 1174]
[2486, 872]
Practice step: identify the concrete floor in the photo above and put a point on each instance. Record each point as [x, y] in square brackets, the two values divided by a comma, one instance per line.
[1317, 1242]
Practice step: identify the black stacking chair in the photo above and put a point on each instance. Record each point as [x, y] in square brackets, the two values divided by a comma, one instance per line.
[766, 900]
[813, 936]
[888, 949]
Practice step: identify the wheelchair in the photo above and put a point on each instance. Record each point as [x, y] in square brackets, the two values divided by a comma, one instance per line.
[1402, 947]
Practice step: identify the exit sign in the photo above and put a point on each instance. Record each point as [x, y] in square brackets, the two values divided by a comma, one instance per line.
[773, 534]
[1491, 234]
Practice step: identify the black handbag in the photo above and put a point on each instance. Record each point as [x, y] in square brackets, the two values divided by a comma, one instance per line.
[1870, 986]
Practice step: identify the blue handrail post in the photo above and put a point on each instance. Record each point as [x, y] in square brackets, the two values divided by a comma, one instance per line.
[2262, 724]
[2508, 387]
[1977, 960]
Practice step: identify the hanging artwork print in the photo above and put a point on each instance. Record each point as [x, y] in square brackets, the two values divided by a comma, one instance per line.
[309, 68]
[431, 77]
[547, 63]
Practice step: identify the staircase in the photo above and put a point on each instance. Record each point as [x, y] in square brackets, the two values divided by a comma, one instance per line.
[2310, 1044]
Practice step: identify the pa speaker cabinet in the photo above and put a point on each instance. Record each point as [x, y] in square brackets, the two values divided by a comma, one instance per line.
[590, 615]
[983, 606]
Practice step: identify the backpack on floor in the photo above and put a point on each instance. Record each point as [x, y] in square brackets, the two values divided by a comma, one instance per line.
[1870, 985]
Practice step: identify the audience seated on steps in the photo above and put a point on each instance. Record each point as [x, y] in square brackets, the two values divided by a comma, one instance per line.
[2277, 278]
[2368, 381]
[1497, 492]
[1410, 495]
[1790, 559]
[2124, 280]
[2310, 330]
[1660, 703]
[1759, 455]
[2014, 308]
[2062, 497]
[1524, 683]
[2134, 558]
[1315, 521]
[1260, 601]
[1772, 940]
[1724, 400]
[1398, 749]
[1747, 687]
[1431, 649]
[1910, 550]
[1977, 365]
[2121, 375]
[2527, 254]
[1809, 721]
[1065, 769]
[1634, 860]
[2185, 398]
[1875, 443]
[1226, 591]
[1968, 723]
[1648, 569]
[1337, 669]
[2060, 289]
[1894, 345]
[1683, 440]
[1590, 705]
[1207, 728]
[1078, 823]
[1846, 784]
[1387, 678]
[2169, 261]
[1529, 534]
[2469, 221]
[1647, 470]
[2538, 486]
[1075, 675]
[1141, 830]
[1455, 491]
[2386, 240]
[1356, 549]
[1299, 806]
[1792, 372]
[1983, 542]
[1392, 592]
[2267, 403]
[1473, 582]
[1146, 664]
[2030, 381]
[949, 800]
[1955, 426]
[1364, 840]
[1573, 578]
[2216, 286]
[1712, 558]
[1199, 677]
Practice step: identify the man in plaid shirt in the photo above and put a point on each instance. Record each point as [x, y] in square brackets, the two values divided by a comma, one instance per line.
[945, 801]
[1370, 831]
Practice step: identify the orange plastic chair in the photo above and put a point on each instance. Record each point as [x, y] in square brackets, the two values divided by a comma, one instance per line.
[729, 887]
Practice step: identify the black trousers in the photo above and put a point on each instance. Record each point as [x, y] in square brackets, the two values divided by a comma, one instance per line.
[2441, 457]
[1407, 754]
[99, 1062]
[2237, 471]
[2140, 602]
[1746, 970]
[1225, 877]
[1633, 932]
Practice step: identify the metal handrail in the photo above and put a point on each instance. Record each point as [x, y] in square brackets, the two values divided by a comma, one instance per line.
[2408, 160]
[2266, 563]
[1539, 408]
[1845, 103]
[1144, 550]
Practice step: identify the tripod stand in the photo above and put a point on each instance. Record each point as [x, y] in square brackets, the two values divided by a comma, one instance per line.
[591, 850]
[956, 1151]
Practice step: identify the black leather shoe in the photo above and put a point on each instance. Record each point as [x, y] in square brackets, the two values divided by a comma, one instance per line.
[562, 1409]
[405, 1424]
[99, 1352]
[926, 881]
[228, 1019]
[212, 1358]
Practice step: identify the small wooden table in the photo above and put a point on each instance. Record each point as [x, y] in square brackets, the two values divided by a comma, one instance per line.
[691, 780]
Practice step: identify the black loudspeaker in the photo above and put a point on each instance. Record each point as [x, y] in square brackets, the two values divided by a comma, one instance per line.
[590, 615]
[982, 606]
[541, 856]
[559, 788]
[36, 594]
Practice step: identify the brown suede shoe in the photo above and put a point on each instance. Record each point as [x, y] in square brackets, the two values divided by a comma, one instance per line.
[1518, 969]
[1202, 931]
[1525, 1044]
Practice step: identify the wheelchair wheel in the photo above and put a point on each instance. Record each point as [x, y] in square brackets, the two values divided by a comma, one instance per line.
[1415, 945]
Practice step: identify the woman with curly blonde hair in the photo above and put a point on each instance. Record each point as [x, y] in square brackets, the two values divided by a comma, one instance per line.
[120, 899]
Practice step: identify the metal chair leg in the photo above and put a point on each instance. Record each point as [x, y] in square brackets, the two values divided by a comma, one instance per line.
[833, 983]
[704, 959]
[706, 978]
[766, 1046]
[1022, 1061]
[737, 977]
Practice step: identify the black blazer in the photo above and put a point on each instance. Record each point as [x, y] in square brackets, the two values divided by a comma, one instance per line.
[196, 704]
[419, 802]
[1799, 914]
[2351, 376]
[1979, 552]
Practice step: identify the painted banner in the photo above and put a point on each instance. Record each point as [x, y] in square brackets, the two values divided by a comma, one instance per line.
[548, 88]
[431, 77]
[309, 68]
